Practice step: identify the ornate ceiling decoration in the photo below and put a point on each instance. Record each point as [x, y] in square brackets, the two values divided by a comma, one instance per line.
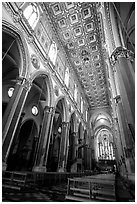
[80, 30]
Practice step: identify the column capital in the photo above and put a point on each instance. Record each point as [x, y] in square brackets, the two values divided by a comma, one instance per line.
[49, 109]
[65, 124]
[25, 83]
[21, 80]
[117, 99]
[121, 52]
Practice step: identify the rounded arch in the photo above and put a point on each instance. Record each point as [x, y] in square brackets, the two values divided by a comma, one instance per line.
[18, 41]
[104, 145]
[73, 117]
[65, 107]
[98, 116]
[49, 84]
[101, 128]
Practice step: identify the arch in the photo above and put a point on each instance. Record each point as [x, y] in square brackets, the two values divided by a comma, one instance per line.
[65, 107]
[16, 34]
[101, 128]
[46, 75]
[103, 145]
[56, 135]
[73, 116]
[94, 117]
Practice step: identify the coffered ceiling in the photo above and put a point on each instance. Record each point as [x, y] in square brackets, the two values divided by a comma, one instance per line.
[80, 31]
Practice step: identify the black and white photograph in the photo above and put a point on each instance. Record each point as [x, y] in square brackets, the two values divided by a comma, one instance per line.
[68, 101]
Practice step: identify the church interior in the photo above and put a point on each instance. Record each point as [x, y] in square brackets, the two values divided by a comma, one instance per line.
[68, 100]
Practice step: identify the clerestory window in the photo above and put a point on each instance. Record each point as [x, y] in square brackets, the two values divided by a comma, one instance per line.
[31, 13]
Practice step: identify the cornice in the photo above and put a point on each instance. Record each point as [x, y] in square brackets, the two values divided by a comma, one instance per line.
[108, 17]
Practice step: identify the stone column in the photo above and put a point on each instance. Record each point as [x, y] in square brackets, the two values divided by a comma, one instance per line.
[126, 140]
[44, 139]
[12, 116]
[63, 145]
[120, 60]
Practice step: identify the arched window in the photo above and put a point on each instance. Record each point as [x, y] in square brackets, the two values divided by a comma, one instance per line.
[67, 76]
[105, 146]
[31, 13]
[53, 52]
[75, 92]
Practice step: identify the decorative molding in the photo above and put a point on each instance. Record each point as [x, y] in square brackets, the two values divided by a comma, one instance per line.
[107, 10]
[121, 52]
[27, 84]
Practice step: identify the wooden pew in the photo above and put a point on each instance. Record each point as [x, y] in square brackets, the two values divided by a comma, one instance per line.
[14, 180]
[91, 188]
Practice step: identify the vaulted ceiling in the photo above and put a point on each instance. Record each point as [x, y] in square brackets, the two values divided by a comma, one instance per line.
[80, 30]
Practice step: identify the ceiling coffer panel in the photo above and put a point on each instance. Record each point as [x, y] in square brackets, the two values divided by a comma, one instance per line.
[80, 30]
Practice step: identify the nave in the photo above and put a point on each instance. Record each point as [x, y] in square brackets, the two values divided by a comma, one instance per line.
[68, 99]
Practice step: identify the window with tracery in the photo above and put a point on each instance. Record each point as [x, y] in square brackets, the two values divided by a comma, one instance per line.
[31, 13]
[53, 52]
[105, 146]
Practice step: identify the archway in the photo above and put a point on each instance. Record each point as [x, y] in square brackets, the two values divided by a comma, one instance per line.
[23, 150]
[104, 155]
[33, 110]
[54, 147]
